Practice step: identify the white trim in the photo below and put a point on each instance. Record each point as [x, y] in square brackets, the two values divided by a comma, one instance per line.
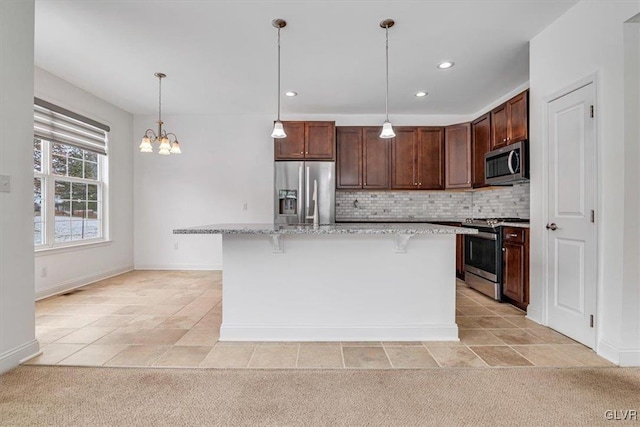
[44, 251]
[68, 285]
[339, 333]
[621, 357]
[178, 267]
[534, 314]
[544, 194]
[12, 358]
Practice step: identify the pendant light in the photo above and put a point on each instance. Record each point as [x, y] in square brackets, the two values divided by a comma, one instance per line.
[278, 129]
[166, 146]
[387, 129]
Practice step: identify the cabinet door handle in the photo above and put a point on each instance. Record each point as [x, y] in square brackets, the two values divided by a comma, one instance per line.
[419, 183]
[302, 152]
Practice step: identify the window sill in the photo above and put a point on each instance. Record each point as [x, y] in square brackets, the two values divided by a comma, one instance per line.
[70, 248]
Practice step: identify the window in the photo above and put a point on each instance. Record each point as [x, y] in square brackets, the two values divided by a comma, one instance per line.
[69, 159]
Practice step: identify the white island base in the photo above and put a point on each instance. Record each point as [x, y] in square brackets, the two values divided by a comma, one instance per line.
[339, 287]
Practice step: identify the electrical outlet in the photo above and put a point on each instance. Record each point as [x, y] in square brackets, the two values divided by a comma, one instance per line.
[43, 272]
[245, 205]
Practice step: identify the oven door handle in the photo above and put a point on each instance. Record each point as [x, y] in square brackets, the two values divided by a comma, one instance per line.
[485, 236]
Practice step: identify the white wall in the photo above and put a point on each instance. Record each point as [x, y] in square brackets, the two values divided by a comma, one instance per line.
[76, 267]
[17, 339]
[589, 39]
[227, 161]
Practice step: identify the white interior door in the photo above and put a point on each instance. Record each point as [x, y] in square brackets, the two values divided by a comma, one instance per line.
[571, 262]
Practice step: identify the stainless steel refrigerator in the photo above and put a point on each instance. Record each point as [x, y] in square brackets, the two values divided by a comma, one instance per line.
[304, 192]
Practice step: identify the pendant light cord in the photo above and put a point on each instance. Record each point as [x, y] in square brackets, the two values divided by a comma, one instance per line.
[278, 74]
[386, 102]
[159, 107]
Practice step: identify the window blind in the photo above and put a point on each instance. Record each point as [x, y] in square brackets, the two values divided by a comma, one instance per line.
[57, 124]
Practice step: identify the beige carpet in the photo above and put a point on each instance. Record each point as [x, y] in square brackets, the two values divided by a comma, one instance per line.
[39, 395]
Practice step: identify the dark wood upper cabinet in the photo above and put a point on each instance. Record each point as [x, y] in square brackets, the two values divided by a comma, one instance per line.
[499, 127]
[306, 140]
[509, 121]
[363, 158]
[292, 146]
[349, 161]
[480, 145]
[404, 157]
[431, 158]
[320, 140]
[458, 156]
[517, 113]
[376, 155]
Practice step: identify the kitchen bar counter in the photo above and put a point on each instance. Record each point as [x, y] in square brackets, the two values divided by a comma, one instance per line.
[341, 228]
[339, 282]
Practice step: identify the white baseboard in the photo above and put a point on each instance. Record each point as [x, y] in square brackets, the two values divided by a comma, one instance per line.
[180, 267]
[339, 333]
[12, 358]
[534, 314]
[621, 357]
[68, 285]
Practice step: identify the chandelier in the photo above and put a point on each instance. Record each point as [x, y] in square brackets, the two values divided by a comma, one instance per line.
[166, 145]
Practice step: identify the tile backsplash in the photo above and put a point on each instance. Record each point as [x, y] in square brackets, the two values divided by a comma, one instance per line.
[512, 201]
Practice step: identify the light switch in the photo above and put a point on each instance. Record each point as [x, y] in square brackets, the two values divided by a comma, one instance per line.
[5, 184]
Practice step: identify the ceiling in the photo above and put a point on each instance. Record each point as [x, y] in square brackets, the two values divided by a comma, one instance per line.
[220, 56]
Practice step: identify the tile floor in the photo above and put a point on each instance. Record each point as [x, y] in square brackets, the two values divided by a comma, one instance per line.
[172, 318]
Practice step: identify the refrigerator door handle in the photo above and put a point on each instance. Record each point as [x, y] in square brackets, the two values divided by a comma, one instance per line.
[300, 184]
[306, 210]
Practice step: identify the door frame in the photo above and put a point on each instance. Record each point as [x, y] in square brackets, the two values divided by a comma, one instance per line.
[590, 79]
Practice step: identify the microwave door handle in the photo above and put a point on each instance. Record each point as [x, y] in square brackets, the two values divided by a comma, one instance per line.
[509, 162]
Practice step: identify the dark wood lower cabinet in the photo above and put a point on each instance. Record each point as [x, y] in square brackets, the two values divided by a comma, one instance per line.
[460, 255]
[515, 266]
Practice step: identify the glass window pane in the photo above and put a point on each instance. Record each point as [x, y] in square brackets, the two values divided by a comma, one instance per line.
[92, 193]
[78, 191]
[63, 209]
[63, 190]
[62, 230]
[90, 170]
[60, 149]
[37, 232]
[37, 155]
[37, 196]
[77, 229]
[90, 157]
[75, 167]
[58, 165]
[78, 209]
[76, 153]
[91, 228]
[92, 210]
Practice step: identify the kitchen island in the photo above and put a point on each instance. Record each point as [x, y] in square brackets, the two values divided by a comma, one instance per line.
[338, 282]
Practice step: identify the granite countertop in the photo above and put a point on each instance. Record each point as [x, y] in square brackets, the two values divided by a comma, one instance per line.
[515, 224]
[342, 228]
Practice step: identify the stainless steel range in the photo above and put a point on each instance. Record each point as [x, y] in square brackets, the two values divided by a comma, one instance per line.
[483, 255]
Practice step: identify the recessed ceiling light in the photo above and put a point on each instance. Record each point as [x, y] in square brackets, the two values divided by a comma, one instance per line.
[446, 64]
[291, 93]
[421, 94]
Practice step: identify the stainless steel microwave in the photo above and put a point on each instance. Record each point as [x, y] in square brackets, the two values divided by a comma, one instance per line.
[507, 165]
